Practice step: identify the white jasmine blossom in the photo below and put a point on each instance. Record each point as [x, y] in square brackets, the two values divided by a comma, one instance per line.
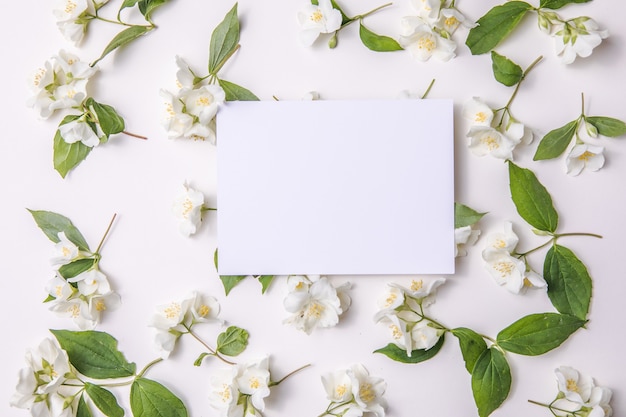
[204, 308]
[317, 19]
[368, 390]
[224, 392]
[463, 237]
[72, 18]
[422, 289]
[78, 310]
[577, 37]
[424, 336]
[79, 130]
[320, 306]
[486, 140]
[506, 270]
[202, 103]
[450, 19]
[187, 210]
[65, 251]
[478, 112]
[91, 282]
[338, 386]
[59, 288]
[575, 386]
[175, 121]
[185, 77]
[254, 381]
[401, 334]
[583, 156]
[423, 42]
[502, 241]
[99, 303]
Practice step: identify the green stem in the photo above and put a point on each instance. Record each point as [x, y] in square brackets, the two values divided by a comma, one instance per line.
[524, 74]
[578, 234]
[221, 64]
[271, 384]
[523, 254]
[428, 89]
[119, 22]
[361, 16]
[212, 351]
[105, 234]
[333, 406]
[208, 209]
[148, 366]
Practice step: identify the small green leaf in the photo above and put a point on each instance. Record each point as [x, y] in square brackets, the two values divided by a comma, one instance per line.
[506, 71]
[236, 92]
[228, 281]
[147, 7]
[265, 281]
[150, 399]
[109, 120]
[491, 381]
[200, 358]
[465, 216]
[233, 341]
[532, 200]
[104, 400]
[49, 298]
[76, 268]
[392, 351]
[94, 354]
[378, 43]
[496, 25]
[556, 141]
[66, 156]
[537, 334]
[83, 409]
[126, 4]
[607, 126]
[569, 283]
[53, 223]
[557, 4]
[123, 38]
[224, 41]
[472, 346]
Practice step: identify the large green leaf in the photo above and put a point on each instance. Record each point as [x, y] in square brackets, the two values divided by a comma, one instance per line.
[104, 400]
[66, 156]
[556, 141]
[108, 118]
[569, 283]
[224, 40]
[151, 399]
[94, 354]
[233, 341]
[532, 200]
[472, 346]
[607, 126]
[392, 351]
[537, 334]
[123, 38]
[76, 268]
[557, 4]
[496, 25]
[505, 71]
[491, 381]
[53, 223]
[236, 92]
[465, 216]
[376, 42]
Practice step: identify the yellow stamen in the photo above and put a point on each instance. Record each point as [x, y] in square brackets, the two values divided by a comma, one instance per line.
[504, 268]
[204, 310]
[426, 42]
[340, 390]
[315, 310]
[203, 101]
[586, 156]
[101, 306]
[571, 385]
[254, 383]
[481, 117]
[417, 285]
[491, 142]
[366, 393]
[317, 16]
[172, 311]
[69, 6]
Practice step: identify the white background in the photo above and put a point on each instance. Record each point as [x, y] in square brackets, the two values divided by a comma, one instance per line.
[149, 263]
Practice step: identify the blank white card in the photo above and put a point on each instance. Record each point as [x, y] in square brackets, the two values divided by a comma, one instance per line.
[336, 187]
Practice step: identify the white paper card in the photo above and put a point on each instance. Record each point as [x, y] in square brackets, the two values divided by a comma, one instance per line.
[336, 187]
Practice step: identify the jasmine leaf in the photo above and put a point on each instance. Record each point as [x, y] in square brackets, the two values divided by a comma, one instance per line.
[83, 409]
[465, 216]
[235, 92]
[104, 400]
[233, 341]
[53, 223]
[607, 126]
[150, 399]
[200, 358]
[123, 38]
[557, 4]
[472, 346]
[532, 200]
[94, 354]
[109, 120]
[49, 298]
[147, 7]
[76, 268]
[569, 283]
[224, 40]
[505, 71]
[265, 281]
[67, 155]
[344, 17]
[228, 281]
[128, 3]
[392, 351]
[537, 334]
[496, 25]
[378, 43]
[491, 381]
[556, 141]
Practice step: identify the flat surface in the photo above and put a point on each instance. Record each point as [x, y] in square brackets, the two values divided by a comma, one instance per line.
[149, 263]
[296, 172]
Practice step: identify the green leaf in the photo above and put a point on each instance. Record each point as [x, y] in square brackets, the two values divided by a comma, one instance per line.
[76, 268]
[236, 92]
[556, 141]
[83, 409]
[506, 71]
[607, 126]
[392, 351]
[378, 43]
[537, 334]
[224, 41]
[147, 7]
[465, 216]
[66, 156]
[233, 341]
[532, 200]
[123, 38]
[53, 223]
[472, 346]
[344, 17]
[265, 281]
[109, 120]
[104, 400]
[126, 4]
[557, 4]
[94, 354]
[200, 358]
[49, 298]
[491, 381]
[569, 283]
[151, 399]
[228, 281]
[496, 25]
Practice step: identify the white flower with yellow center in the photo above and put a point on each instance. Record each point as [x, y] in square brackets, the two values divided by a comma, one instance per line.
[59, 288]
[575, 386]
[338, 386]
[423, 42]
[400, 332]
[320, 306]
[174, 120]
[65, 251]
[72, 19]
[424, 336]
[577, 37]
[185, 77]
[69, 95]
[388, 302]
[506, 270]
[427, 9]
[254, 381]
[203, 102]
[505, 241]
[463, 237]
[583, 156]
[171, 316]
[317, 19]
[187, 210]
[91, 282]
[477, 112]
[198, 131]
[485, 140]
[450, 19]
[368, 390]
[99, 303]
[224, 392]
[421, 289]
[79, 130]
[204, 308]
[76, 309]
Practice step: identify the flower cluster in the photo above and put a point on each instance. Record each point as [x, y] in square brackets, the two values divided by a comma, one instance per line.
[317, 19]
[176, 318]
[314, 302]
[506, 267]
[190, 112]
[429, 33]
[353, 391]
[187, 208]
[490, 135]
[579, 396]
[40, 385]
[401, 309]
[73, 16]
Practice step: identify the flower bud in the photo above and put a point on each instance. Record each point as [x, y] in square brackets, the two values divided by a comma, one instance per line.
[332, 42]
[591, 130]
